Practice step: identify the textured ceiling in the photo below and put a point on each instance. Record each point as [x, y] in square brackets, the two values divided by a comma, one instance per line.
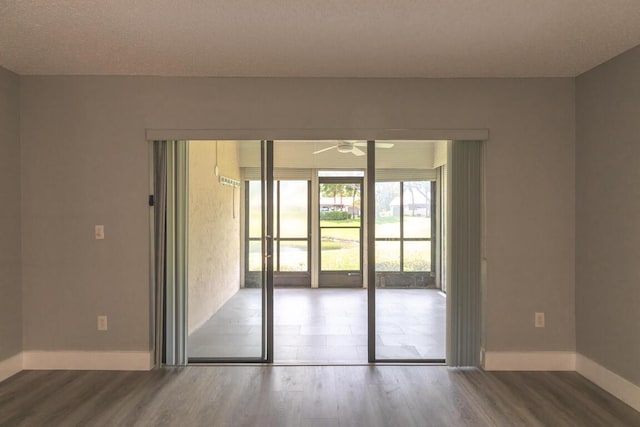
[316, 38]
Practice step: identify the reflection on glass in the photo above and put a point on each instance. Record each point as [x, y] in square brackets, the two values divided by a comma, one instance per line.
[255, 255]
[294, 217]
[387, 256]
[417, 256]
[276, 208]
[255, 209]
[275, 256]
[294, 255]
[387, 209]
[293, 223]
[417, 209]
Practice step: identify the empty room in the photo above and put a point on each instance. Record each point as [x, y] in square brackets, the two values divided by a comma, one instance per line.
[319, 213]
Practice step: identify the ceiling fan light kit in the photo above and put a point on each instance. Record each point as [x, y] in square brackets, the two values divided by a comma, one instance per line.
[346, 147]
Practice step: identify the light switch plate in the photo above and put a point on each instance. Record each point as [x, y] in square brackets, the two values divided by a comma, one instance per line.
[102, 323]
[539, 320]
[99, 231]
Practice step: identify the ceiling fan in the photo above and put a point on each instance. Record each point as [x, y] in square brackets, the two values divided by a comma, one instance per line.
[346, 147]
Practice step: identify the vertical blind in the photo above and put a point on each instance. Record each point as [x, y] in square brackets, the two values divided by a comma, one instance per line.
[170, 199]
[465, 231]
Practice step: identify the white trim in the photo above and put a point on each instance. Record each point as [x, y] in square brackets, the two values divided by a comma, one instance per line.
[11, 366]
[621, 388]
[312, 133]
[530, 361]
[88, 360]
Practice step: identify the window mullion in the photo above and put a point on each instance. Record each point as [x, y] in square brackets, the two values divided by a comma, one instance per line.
[401, 226]
[277, 228]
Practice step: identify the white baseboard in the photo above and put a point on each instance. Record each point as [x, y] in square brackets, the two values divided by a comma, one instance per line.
[88, 360]
[621, 388]
[11, 366]
[530, 361]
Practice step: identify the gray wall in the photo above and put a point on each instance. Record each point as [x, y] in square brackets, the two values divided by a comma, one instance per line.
[85, 163]
[608, 215]
[10, 292]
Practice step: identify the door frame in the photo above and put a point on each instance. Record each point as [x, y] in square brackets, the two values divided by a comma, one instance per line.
[371, 270]
[267, 232]
[333, 279]
[271, 134]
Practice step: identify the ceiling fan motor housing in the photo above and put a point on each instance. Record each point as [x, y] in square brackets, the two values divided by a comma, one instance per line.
[345, 147]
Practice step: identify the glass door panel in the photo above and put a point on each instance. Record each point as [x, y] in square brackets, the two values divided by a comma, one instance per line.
[294, 256]
[291, 257]
[340, 216]
[226, 315]
[340, 249]
[292, 233]
[409, 315]
[293, 209]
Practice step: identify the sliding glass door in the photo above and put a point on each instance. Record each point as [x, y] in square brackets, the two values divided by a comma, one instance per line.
[228, 320]
[407, 311]
[341, 226]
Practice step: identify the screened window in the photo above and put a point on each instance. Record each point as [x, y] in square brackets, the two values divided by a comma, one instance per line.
[404, 223]
[291, 225]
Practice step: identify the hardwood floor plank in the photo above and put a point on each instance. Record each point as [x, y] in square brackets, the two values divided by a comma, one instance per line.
[256, 395]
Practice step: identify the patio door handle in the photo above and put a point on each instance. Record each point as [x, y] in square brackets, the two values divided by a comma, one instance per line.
[269, 244]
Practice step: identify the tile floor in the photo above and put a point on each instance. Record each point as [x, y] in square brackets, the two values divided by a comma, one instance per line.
[327, 326]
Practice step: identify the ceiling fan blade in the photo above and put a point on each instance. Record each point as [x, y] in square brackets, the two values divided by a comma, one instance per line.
[359, 144]
[325, 149]
[378, 144]
[384, 145]
[357, 152]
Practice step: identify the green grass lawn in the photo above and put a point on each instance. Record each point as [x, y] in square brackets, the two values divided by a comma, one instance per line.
[341, 223]
[385, 226]
[340, 245]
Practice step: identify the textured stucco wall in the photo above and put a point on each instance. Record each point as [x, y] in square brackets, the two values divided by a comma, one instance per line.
[214, 229]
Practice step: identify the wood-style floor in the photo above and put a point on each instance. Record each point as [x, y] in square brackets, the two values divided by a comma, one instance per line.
[308, 396]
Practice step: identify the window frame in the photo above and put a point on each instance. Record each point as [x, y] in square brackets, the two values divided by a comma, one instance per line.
[402, 239]
[276, 227]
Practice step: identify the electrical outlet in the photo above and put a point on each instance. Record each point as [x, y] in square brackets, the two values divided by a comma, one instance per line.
[102, 323]
[99, 232]
[539, 320]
